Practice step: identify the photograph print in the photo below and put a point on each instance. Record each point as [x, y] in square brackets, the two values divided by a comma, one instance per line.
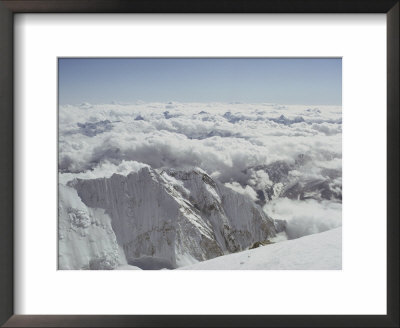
[199, 164]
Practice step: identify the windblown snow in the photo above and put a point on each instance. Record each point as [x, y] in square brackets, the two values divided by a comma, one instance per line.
[156, 186]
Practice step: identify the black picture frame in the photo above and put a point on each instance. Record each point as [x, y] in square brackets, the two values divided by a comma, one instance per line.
[10, 7]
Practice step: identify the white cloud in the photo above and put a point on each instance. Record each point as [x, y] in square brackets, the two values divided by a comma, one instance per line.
[248, 191]
[305, 217]
[103, 170]
[201, 135]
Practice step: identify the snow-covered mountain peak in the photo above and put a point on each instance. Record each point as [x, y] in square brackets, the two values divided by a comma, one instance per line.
[169, 218]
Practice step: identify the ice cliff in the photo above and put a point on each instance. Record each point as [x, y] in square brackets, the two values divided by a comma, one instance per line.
[155, 219]
[86, 238]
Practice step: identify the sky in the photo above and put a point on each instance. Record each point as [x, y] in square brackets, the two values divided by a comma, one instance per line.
[310, 81]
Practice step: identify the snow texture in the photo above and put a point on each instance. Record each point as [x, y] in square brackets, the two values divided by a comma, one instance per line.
[322, 251]
[86, 238]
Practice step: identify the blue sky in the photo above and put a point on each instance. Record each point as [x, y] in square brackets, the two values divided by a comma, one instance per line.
[284, 81]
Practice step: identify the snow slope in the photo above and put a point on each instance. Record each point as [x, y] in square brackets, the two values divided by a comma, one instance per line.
[322, 251]
[169, 218]
[86, 239]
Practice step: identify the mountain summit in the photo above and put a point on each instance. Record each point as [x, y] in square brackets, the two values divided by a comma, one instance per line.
[157, 219]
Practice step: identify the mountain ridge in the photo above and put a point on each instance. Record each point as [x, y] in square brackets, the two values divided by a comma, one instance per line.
[171, 218]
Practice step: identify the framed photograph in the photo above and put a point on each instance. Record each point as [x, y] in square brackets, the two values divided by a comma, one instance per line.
[159, 183]
[187, 164]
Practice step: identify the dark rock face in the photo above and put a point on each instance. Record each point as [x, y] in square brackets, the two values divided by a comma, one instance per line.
[280, 225]
[261, 243]
[315, 189]
[102, 263]
[286, 121]
[326, 187]
[92, 129]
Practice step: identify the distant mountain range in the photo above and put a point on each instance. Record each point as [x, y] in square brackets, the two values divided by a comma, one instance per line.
[327, 185]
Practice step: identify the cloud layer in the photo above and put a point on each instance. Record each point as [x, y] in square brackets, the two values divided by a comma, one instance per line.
[223, 139]
[305, 217]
